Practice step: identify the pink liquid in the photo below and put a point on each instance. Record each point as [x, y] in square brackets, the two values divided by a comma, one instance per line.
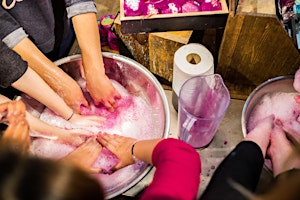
[132, 118]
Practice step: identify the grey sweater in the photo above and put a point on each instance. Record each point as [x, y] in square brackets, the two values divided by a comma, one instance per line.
[45, 22]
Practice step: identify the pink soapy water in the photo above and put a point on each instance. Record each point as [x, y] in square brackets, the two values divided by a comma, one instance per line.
[281, 104]
[132, 118]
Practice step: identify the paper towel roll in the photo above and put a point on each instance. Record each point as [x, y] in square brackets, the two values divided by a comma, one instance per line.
[190, 60]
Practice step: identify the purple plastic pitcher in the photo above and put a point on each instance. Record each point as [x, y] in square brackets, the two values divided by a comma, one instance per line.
[203, 102]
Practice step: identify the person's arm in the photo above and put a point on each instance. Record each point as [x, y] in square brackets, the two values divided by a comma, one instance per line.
[33, 85]
[178, 166]
[177, 174]
[12, 67]
[97, 83]
[56, 78]
[16, 136]
[41, 129]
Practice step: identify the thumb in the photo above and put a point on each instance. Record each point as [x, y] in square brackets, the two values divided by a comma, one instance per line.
[117, 166]
[95, 170]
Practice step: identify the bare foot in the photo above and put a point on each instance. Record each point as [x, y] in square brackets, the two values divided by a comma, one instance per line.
[292, 129]
[282, 152]
[261, 133]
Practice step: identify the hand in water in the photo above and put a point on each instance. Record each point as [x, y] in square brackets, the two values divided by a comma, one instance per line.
[102, 91]
[74, 137]
[120, 146]
[85, 155]
[88, 120]
[17, 132]
[70, 91]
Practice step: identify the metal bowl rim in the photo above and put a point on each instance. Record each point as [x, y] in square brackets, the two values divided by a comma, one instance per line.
[246, 104]
[158, 86]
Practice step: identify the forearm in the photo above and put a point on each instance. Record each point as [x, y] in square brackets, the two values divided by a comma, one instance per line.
[55, 77]
[87, 34]
[33, 85]
[177, 174]
[143, 149]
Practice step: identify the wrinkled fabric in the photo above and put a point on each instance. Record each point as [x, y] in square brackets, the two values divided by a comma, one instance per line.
[177, 174]
[12, 67]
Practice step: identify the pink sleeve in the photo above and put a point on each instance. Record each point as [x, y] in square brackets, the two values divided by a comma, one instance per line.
[177, 174]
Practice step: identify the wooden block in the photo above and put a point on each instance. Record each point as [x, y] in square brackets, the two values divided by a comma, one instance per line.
[254, 49]
[174, 22]
[257, 7]
[162, 47]
[137, 45]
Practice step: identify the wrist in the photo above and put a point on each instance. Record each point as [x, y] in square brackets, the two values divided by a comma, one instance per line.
[134, 158]
[72, 114]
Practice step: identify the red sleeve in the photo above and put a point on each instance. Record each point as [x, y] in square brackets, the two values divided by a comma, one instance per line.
[177, 174]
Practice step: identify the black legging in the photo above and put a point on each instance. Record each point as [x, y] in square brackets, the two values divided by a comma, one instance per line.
[243, 165]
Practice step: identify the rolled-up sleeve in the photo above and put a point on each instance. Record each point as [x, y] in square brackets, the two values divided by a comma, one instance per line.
[12, 67]
[75, 7]
[10, 30]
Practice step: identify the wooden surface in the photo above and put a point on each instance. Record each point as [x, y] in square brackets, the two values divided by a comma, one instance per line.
[162, 47]
[174, 22]
[254, 48]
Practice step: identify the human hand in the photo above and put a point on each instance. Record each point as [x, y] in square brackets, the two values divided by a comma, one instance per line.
[85, 155]
[86, 120]
[102, 91]
[74, 137]
[16, 135]
[72, 94]
[120, 146]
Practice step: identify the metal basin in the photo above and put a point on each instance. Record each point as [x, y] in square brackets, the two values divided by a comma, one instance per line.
[277, 84]
[138, 81]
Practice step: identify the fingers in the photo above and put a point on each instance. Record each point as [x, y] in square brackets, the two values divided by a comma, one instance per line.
[18, 130]
[88, 120]
[94, 170]
[111, 103]
[108, 141]
[85, 155]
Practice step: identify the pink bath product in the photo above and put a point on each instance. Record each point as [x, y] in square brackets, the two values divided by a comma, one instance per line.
[160, 4]
[181, 2]
[171, 8]
[151, 9]
[211, 5]
[113, 41]
[103, 36]
[134, 7]
[106, 161]
[191, 6]
[107, 21]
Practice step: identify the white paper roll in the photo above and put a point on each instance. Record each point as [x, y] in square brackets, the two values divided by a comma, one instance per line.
[190, 60]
